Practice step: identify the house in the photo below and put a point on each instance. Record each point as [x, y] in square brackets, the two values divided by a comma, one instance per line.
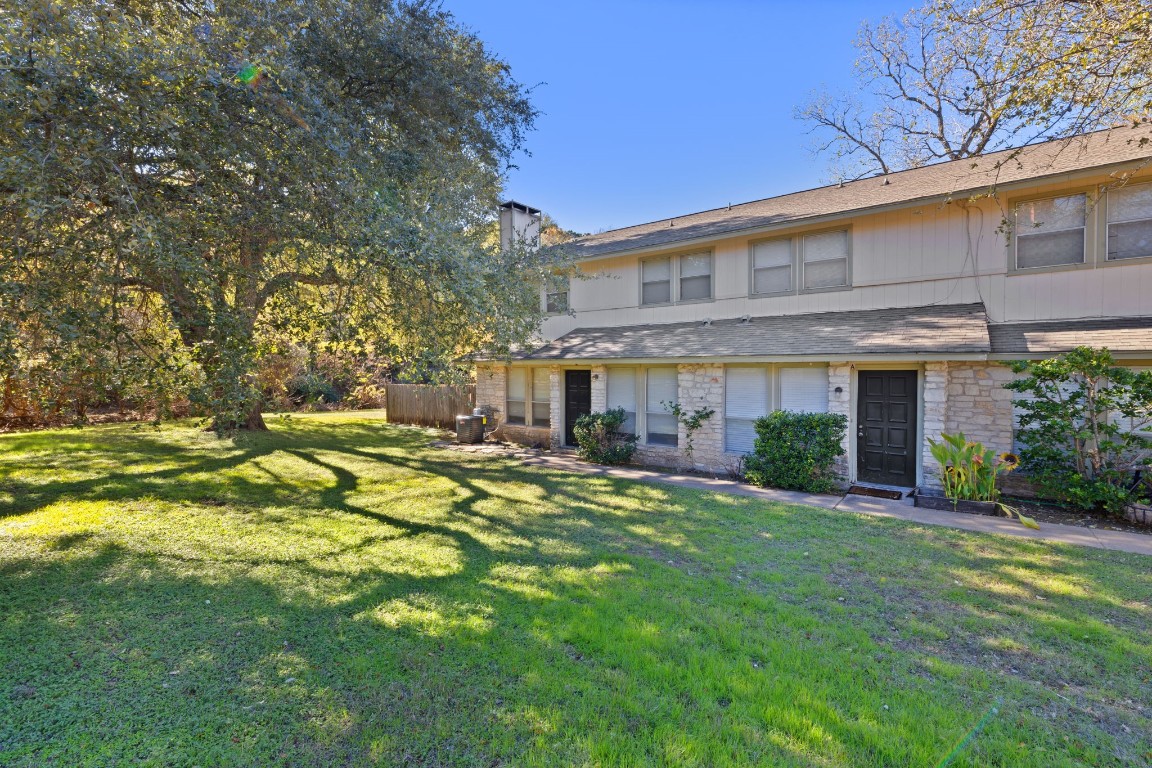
[894, 300]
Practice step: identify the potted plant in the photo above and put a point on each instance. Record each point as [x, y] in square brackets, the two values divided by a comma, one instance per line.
[968, 473]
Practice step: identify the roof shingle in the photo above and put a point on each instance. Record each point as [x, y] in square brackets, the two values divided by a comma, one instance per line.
[1103, 148]
[1119, 334]
[956, 328]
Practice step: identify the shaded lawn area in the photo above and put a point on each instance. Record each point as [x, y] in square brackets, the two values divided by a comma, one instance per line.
[336, 593]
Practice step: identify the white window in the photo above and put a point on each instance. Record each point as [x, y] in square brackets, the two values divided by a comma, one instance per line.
[541, 390]
[517, 395]
[804, 390]
[1050, 232]
[696, 277]
[622, 394]
[745, 400]
[1130, 222]
[772, 266]
[826, 260]
[656, 281]
[662, 387]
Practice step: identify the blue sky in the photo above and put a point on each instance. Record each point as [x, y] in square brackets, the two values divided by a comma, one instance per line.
[655, 109]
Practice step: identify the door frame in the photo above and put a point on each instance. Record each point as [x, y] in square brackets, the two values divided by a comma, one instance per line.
[854, 402]
[564, 400]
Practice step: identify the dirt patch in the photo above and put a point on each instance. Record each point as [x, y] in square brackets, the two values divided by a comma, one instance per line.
[1043, 512]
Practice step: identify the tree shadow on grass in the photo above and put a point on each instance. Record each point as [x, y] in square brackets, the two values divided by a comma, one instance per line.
[437, 610]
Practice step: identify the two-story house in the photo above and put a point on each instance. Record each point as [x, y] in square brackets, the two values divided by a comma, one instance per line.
[894, 300]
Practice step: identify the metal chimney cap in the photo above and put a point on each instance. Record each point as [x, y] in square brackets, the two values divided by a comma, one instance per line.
[512, 205]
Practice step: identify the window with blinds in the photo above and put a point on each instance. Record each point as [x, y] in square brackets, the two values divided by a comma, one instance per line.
[804, 390]
[696, 277]
[772, 266]
[746, 398]
[656, 281]
[661, 387]
[826, 260]
[541, 391]
[1130, 222]
[622, 394]
[517, 395]
[1050, 232]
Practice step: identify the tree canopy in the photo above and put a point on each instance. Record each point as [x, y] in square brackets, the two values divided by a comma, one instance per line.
[178, 179]
[958, 78]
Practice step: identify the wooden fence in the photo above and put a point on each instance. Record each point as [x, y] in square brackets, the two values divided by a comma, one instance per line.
[427, 404]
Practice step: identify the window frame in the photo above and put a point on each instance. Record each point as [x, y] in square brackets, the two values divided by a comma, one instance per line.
[530, 398]
[674, 277]
[800, 268]
[643, 406]
[793, 250]
[1105, 224]
[1092, 245]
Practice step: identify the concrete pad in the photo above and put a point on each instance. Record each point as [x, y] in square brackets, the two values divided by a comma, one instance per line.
[902, 509]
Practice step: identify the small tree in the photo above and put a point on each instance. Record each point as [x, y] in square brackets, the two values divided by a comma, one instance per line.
[1082, 426]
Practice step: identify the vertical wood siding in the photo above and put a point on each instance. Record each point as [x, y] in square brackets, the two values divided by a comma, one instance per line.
[426, 404]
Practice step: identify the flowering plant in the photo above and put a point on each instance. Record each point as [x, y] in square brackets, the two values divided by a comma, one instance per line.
[970, 471]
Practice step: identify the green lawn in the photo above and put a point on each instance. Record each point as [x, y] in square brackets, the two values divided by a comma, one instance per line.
[336, 593]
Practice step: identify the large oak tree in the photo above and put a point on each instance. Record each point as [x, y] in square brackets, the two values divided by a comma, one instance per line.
[228, 167]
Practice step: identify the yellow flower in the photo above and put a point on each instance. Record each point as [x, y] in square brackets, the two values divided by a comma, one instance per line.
[1009, 459]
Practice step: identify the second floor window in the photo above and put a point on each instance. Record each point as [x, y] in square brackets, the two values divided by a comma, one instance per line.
[772, 266]
[1050, 233]
[656, 281]
[826, 260]
[695, 277]
[1130, 222]
[669, 279]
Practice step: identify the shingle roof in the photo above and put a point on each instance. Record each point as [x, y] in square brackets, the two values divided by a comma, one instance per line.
[1121, 334]
[1037, 161]
[956, 328]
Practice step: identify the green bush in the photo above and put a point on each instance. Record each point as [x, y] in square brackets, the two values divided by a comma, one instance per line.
[796, 451]
[601, 440]
[1083, 422]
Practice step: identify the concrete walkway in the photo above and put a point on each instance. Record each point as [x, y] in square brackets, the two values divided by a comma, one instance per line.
[903, 509]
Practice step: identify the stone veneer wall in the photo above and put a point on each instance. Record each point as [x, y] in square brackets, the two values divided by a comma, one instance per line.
[840, 376]
[492, 390]
[969, 398]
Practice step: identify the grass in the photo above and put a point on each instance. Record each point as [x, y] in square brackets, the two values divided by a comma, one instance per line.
[335, 592]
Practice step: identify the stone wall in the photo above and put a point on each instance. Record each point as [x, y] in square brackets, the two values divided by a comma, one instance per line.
[492, 389]
[935, 417]
[978, 404]
[555, 411]
[534, 437]
[840, 377]
[702, 386]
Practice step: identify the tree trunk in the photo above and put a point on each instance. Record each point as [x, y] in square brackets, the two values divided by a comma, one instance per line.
[255, 420]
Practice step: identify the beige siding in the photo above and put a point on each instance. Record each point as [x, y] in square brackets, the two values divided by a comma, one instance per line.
[907, 257]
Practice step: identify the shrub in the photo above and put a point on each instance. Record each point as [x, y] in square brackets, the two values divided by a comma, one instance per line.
[1082, 425]
[601, 440]
[796, 451]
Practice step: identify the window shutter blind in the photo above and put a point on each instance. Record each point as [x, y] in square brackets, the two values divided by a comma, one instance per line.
[517, 393]
[695, 277]
[622, 394]
[541, 395]
[804, 390]
[1050, 232]
[745, 400]
[826, 260]
[662, 386]
[1130, 222]
[772, 266]
[656, 279]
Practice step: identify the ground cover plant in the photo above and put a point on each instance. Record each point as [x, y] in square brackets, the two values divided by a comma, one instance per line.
[334, 592]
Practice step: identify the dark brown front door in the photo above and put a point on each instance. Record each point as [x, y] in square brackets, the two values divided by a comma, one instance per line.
[886, 441]
[577, 400]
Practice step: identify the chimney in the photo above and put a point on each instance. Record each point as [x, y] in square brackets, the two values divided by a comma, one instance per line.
[519, 223]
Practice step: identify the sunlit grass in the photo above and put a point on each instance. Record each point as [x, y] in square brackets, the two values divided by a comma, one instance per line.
[337, 593]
